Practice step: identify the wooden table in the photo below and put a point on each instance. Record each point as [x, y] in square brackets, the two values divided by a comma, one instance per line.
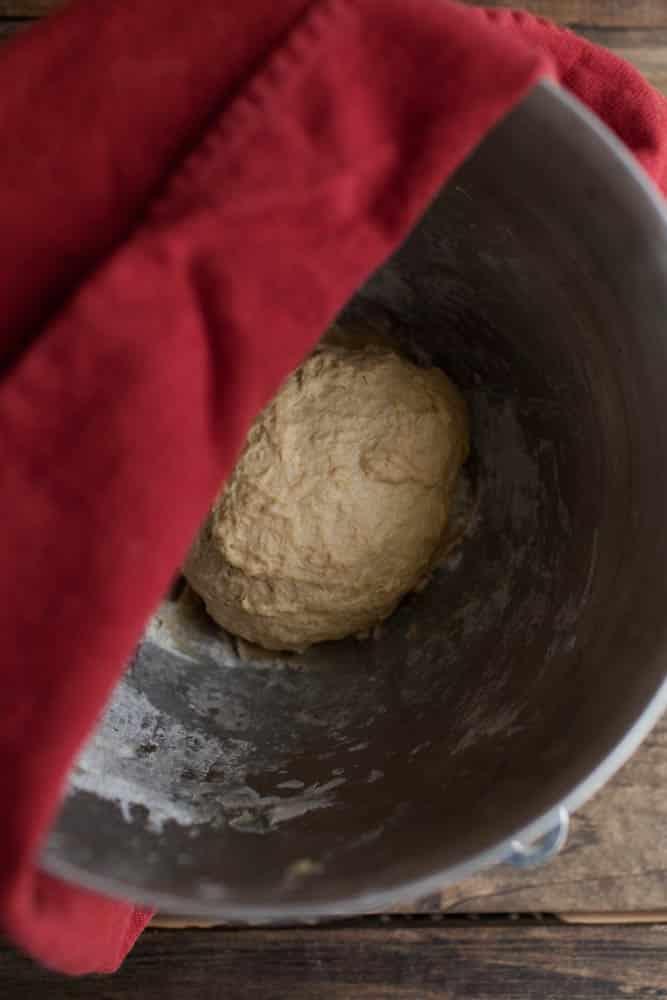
[593, 923]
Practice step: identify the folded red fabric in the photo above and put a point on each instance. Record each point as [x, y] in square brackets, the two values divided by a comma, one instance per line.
[187, 200]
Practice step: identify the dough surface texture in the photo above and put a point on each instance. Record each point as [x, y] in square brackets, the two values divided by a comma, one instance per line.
[338, 504]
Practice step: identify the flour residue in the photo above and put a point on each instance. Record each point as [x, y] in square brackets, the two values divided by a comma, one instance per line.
[152, 766]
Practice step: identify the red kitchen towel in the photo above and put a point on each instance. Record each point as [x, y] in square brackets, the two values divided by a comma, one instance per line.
[187, 197]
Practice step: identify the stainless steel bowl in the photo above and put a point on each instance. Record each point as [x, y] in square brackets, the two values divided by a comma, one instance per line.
[513, 686]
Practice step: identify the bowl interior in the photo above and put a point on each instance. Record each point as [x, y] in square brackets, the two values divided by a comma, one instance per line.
[229, 785]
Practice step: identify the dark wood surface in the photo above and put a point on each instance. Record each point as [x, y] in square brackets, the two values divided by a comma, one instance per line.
[27, 8]
[373, 961]
[598, 13]
[9, 27]
[614, 869]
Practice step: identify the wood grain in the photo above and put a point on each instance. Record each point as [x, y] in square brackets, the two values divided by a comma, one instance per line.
[371, 962]
[27, 8]
[645, 49]
[595, 13]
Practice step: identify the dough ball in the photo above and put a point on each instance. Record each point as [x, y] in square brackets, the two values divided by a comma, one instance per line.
[338, 505]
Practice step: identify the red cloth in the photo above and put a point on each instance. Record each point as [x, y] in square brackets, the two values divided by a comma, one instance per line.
[187, 198]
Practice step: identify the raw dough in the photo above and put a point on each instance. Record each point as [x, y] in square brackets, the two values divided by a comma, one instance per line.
[338, 505]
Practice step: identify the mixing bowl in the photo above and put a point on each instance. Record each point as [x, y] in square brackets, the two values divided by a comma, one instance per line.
[506, 692]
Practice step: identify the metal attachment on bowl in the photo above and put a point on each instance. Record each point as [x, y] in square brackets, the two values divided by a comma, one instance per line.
[544, 848]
